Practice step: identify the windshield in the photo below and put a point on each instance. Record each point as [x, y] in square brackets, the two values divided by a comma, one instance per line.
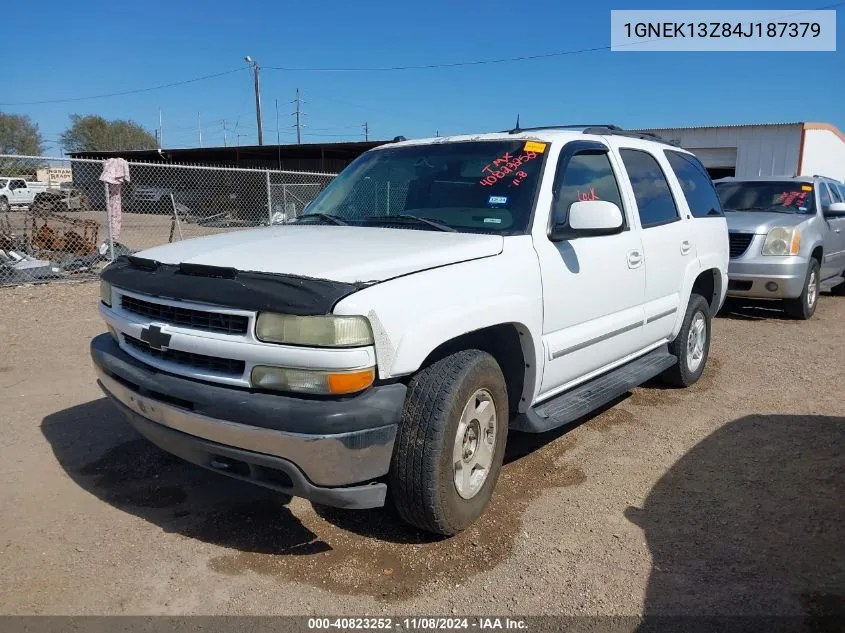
[474, 186]
[782, 197]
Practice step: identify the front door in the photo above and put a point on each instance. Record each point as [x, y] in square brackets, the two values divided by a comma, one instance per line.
[834, 239]
[18, 192]
[592, 286]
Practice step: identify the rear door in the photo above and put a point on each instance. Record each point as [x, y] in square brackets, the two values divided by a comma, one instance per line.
[700, 203]
[667, 237]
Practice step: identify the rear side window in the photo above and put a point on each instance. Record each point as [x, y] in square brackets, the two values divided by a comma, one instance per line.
[655, 203]
[696, 184]
[834, 192]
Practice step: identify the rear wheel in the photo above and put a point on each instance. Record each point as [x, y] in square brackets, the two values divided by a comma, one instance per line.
[804, 306]
[691, 346]
[450, 443]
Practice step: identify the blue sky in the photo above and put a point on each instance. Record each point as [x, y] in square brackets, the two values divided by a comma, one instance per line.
[88, 48]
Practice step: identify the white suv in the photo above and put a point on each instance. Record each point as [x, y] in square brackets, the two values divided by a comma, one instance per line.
[437, 294]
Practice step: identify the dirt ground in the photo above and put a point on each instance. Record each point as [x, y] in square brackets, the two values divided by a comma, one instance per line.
[726, 498]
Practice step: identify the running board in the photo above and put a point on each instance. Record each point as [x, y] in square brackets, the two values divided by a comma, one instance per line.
[829, 284]
[583, 399]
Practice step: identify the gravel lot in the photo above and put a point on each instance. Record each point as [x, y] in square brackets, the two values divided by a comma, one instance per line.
[725, 498]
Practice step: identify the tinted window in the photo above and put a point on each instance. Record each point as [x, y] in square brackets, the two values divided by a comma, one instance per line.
[655, 203]
[696, 184]
[824, 195]
[788, 196]
[842, 192]
[834, 192]
[587, 176]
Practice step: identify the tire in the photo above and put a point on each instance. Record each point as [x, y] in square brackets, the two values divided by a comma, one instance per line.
[691, 346]
[803, 307]
[429, 463]
[5, 207]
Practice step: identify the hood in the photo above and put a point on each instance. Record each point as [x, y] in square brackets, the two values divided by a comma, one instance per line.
[340, 253]
[760, 222]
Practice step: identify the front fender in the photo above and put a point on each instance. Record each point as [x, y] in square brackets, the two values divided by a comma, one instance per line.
[411, 316]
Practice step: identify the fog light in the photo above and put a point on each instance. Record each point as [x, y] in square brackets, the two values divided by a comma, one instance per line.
[771, 286]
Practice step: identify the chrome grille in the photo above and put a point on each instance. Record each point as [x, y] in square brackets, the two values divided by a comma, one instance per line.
[199, 319]
[218, 365]
[739, 243]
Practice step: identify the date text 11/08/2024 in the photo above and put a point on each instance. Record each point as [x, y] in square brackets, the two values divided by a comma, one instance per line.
[418, 624]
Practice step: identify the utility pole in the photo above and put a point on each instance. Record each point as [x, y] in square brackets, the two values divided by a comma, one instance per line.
[278, 136]
[366, 131]
[255, 69]
[199, 127]
[298, 123]
[160, 131]
[225, 140]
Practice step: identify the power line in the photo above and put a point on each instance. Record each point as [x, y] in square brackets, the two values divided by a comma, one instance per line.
[476, 62]
[124, 92]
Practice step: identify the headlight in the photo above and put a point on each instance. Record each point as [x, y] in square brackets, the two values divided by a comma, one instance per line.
[105, 292]
[318, 331]
[308, 381]
[782, 241]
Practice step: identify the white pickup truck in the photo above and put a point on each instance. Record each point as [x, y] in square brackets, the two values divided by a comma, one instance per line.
[17, 192]
[437, 294]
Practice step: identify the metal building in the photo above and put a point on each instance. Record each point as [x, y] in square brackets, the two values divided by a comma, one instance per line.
[770, 149]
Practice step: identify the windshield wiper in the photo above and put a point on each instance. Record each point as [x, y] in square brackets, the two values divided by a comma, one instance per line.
[324, 216]
[405, 216]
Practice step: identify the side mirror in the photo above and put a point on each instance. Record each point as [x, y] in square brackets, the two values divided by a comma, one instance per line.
[589, 218]
[835, 210]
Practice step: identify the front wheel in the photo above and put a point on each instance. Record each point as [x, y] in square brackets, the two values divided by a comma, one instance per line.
[803, 307]
[450, 443]
[691, 346]
[5, 207]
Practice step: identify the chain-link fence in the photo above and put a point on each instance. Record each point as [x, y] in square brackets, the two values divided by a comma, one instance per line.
[61, 218]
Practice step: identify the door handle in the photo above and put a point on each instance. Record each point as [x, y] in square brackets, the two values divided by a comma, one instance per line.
[685, 247]
[635, 258]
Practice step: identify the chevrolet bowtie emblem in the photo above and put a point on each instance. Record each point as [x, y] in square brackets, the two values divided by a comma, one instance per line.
[155, 338]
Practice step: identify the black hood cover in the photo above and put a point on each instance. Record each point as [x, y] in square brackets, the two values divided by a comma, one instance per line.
[228, 287]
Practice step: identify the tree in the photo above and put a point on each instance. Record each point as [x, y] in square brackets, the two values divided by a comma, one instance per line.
[19, 135]
[93, 133]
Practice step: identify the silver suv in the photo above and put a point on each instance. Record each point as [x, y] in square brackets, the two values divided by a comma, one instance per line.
[787, 239]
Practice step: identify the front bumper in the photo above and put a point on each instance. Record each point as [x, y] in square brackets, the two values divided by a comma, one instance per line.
[329, 451]
[767, 277]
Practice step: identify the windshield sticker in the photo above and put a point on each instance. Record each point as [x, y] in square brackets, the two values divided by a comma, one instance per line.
[492, 220]
[788, 198]
[534, 146]
[589, 195]
[505, 165]
[493, 200]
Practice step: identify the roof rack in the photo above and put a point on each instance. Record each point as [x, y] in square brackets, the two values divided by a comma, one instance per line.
[599, 129]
